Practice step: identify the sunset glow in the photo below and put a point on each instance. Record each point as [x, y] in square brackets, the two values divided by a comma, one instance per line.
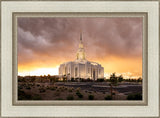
[40, 71]
[45, 43]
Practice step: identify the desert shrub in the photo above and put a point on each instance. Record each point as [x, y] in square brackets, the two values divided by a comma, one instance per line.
[72, 80]
[89, 92]
[90, 97]
[70, 90]
[23, 96]
[59, 88]
[70, 97]
[20, 87]
[66, 88]
[52, 88]
[100, 80]
[36, 97]
[79, 94]
[47, 87]
[136, 96]
[57, 93]
[20, 94]
[108, 97]
[62, 90]
[30, 84]
[27, 97]
[59, 99]
[21, 79]
[78, 89]
[28, 87]
[113, 93]
[41, 90]
[88, 80]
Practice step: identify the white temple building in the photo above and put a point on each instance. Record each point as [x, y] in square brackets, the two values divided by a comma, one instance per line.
[81, 68]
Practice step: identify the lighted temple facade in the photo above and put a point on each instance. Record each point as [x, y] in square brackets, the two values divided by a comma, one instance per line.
[81, 68]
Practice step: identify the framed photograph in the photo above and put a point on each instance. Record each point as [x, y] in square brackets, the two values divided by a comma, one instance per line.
[80, 59]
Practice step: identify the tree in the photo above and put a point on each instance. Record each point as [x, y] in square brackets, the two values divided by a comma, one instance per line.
[49, 76]
[100, 80]
[64, 78]
[72, 79]
[139, 79]
[113, 81]
[120, 78]
[33, 78]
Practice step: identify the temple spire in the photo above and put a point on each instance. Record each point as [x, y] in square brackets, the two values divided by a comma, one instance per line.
[81, 43]
[81, 36]
[81, 51]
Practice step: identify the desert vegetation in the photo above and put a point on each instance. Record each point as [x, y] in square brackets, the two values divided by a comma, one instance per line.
[51, 88]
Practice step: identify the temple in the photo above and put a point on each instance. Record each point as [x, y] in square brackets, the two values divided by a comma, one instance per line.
[81, 68]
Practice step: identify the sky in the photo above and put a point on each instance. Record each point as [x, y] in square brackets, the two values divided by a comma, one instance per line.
[114, 42]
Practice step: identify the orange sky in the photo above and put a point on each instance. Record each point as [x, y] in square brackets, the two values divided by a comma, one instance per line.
[45, 43]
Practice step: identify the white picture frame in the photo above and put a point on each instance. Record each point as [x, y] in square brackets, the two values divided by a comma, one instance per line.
[8, 109]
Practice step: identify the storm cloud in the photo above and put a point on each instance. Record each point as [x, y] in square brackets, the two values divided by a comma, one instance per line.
[58, 38]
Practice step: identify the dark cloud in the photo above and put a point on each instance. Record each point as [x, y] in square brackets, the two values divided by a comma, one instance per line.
[57, 38]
